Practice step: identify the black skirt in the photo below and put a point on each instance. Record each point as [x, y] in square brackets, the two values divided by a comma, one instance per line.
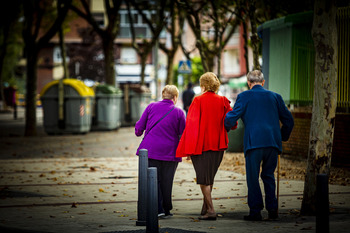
[206, 165]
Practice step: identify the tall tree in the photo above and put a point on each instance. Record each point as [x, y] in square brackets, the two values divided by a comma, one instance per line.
[11, 44]
[37, 35]
[213, 23]
[107, 33]
[254, 34]
[175, 31]
[324, 34]
[152, 12]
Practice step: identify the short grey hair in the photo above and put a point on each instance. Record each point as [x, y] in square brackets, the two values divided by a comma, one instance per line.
[255, 76]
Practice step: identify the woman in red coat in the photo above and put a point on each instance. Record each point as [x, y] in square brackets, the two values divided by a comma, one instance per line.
[205, 138]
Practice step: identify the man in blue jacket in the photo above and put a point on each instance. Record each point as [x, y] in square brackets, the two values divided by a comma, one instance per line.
[261, 111]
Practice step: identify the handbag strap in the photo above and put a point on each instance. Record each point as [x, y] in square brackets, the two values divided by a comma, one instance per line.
[159, 121]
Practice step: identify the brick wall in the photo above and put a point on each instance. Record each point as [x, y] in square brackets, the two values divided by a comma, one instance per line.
[298, 144]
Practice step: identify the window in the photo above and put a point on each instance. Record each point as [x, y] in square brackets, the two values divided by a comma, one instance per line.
[99, 17]
[231, 58]
[140, 25]
[128, 55]
[57, 58]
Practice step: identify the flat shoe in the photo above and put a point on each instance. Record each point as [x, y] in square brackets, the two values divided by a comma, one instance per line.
[207, 217]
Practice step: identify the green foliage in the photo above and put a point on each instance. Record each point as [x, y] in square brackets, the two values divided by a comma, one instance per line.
[11, 44]
[197, 71]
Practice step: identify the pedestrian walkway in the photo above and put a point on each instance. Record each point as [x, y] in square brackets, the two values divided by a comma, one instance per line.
[100, 195]
[89, 183]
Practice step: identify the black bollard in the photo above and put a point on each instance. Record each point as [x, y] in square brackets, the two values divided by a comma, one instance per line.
[152, 201]
[142, 197]
[322, 204]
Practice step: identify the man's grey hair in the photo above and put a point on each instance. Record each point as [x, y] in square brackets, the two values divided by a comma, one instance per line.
[255, 76]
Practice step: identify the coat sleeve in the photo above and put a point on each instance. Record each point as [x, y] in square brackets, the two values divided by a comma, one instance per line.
[233, 116]
[188, 141]
[286, 119]
[182, 123]
[228, 109]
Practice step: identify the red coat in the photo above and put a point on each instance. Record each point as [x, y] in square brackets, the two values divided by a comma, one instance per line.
[205, 129]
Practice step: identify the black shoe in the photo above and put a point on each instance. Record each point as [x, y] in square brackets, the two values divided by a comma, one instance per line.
[255, 217]
[273, 214]
[167, 215]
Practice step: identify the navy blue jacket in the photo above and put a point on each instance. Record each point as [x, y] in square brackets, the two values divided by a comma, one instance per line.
[261, 112]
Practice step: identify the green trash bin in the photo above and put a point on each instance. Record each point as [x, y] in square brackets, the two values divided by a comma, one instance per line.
[74, 115]
[235, 138]
[107, 106]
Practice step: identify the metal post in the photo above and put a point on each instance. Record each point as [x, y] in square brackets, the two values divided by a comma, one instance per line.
[152, 201]
[142, 198]
[61, 118]
[322, 204]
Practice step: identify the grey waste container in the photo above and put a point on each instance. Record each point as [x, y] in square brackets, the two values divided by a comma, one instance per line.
[107, 106]
[138, 102]
[74, 115]
[235, 138]
[133, 107]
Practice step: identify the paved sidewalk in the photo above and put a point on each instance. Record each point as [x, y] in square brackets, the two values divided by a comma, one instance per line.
[88, 183]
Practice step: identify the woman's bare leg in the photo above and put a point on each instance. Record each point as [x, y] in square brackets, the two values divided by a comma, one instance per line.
[207, 200]
[204, 206]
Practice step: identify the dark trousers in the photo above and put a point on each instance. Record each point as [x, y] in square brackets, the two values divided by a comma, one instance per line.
[165, 174]
[267, 158]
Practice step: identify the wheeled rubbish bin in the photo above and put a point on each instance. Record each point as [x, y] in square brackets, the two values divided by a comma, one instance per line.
[67, 106]
[108, 100]
[135, 100]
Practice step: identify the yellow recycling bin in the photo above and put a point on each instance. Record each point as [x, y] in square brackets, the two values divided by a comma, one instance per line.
[67, 106]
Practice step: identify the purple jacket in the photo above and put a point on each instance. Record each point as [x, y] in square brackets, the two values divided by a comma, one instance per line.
[161, 142]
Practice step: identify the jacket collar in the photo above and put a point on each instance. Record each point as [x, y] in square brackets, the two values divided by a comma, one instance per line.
[167, 101]
[256, 87]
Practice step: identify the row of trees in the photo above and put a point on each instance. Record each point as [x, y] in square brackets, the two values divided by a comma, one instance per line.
[39, 21]
[32, 24]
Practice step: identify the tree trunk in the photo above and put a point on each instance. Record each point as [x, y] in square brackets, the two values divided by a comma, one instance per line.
[245, 37]
[108, 50]
[143, 68]
[32, 60]
[63, 53]
[219, 60]
[5, 32]
[202, 55]
[324, 34]
[170, 67]
[254, 36]
[210, 62]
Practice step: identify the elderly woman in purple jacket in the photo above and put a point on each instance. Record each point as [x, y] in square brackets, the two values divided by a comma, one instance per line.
[163, 123]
